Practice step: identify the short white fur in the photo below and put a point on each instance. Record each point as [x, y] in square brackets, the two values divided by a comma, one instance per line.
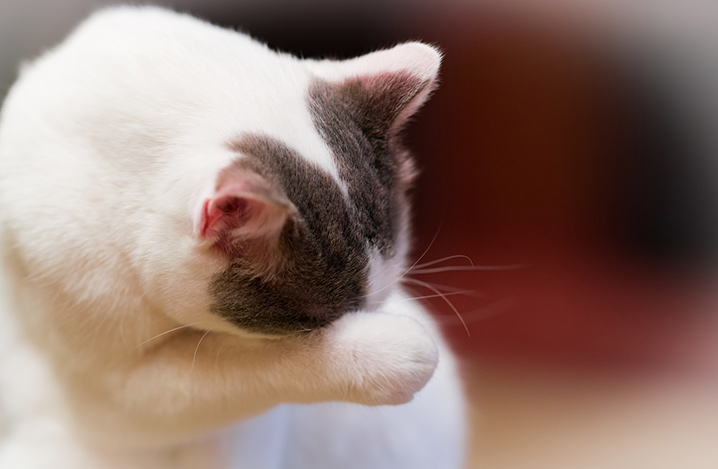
[100, 258]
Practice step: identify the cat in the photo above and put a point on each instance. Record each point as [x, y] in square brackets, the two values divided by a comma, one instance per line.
[203, 243]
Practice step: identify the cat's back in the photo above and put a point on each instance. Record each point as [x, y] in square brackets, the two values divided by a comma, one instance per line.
[129, 60]
[130, 33]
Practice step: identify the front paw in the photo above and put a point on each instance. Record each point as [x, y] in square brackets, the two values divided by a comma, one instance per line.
[387, 358]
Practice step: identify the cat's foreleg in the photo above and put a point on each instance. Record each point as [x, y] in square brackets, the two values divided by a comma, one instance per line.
[199, 380]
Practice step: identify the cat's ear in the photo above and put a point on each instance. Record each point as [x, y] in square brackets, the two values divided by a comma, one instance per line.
[385, 87]
[244, 206]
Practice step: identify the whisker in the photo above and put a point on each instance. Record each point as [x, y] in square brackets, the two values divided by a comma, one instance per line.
[409, 269]
[436, 296]
[303, 328]
[451, 305]
[421, 283]
[498, 307]
[470, 268]
[216, 358]
[166, 332]
[444, 259]
[197, 348]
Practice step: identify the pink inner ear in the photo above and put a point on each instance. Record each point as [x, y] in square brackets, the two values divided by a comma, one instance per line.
[225, 212]
[242, 209]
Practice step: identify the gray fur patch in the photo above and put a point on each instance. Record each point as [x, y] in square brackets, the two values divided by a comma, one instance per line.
[355, 118]
[324, 255]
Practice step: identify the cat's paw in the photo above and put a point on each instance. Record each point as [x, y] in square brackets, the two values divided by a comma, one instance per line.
[388, 358]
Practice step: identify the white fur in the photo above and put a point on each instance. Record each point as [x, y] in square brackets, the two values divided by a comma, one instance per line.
[99, 207]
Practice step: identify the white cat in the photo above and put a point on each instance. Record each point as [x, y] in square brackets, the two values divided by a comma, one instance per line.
[202, 247]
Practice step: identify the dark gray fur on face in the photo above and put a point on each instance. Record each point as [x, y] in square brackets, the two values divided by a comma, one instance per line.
[324, 248]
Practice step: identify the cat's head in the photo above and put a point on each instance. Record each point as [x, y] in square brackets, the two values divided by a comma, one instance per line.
[305, 246]
[258, 188]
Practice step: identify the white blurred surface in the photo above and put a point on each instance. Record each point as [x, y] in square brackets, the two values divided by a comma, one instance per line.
[538, 419]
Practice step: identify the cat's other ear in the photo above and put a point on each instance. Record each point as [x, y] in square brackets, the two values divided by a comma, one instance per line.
[385, 87]
[244, 206]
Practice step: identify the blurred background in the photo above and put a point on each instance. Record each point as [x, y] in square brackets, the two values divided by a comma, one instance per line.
[566, 215]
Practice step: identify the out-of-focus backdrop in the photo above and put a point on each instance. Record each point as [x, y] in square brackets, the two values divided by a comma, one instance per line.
[566, 215]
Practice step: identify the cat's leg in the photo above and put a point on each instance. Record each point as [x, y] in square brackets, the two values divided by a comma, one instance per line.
[195, 381]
